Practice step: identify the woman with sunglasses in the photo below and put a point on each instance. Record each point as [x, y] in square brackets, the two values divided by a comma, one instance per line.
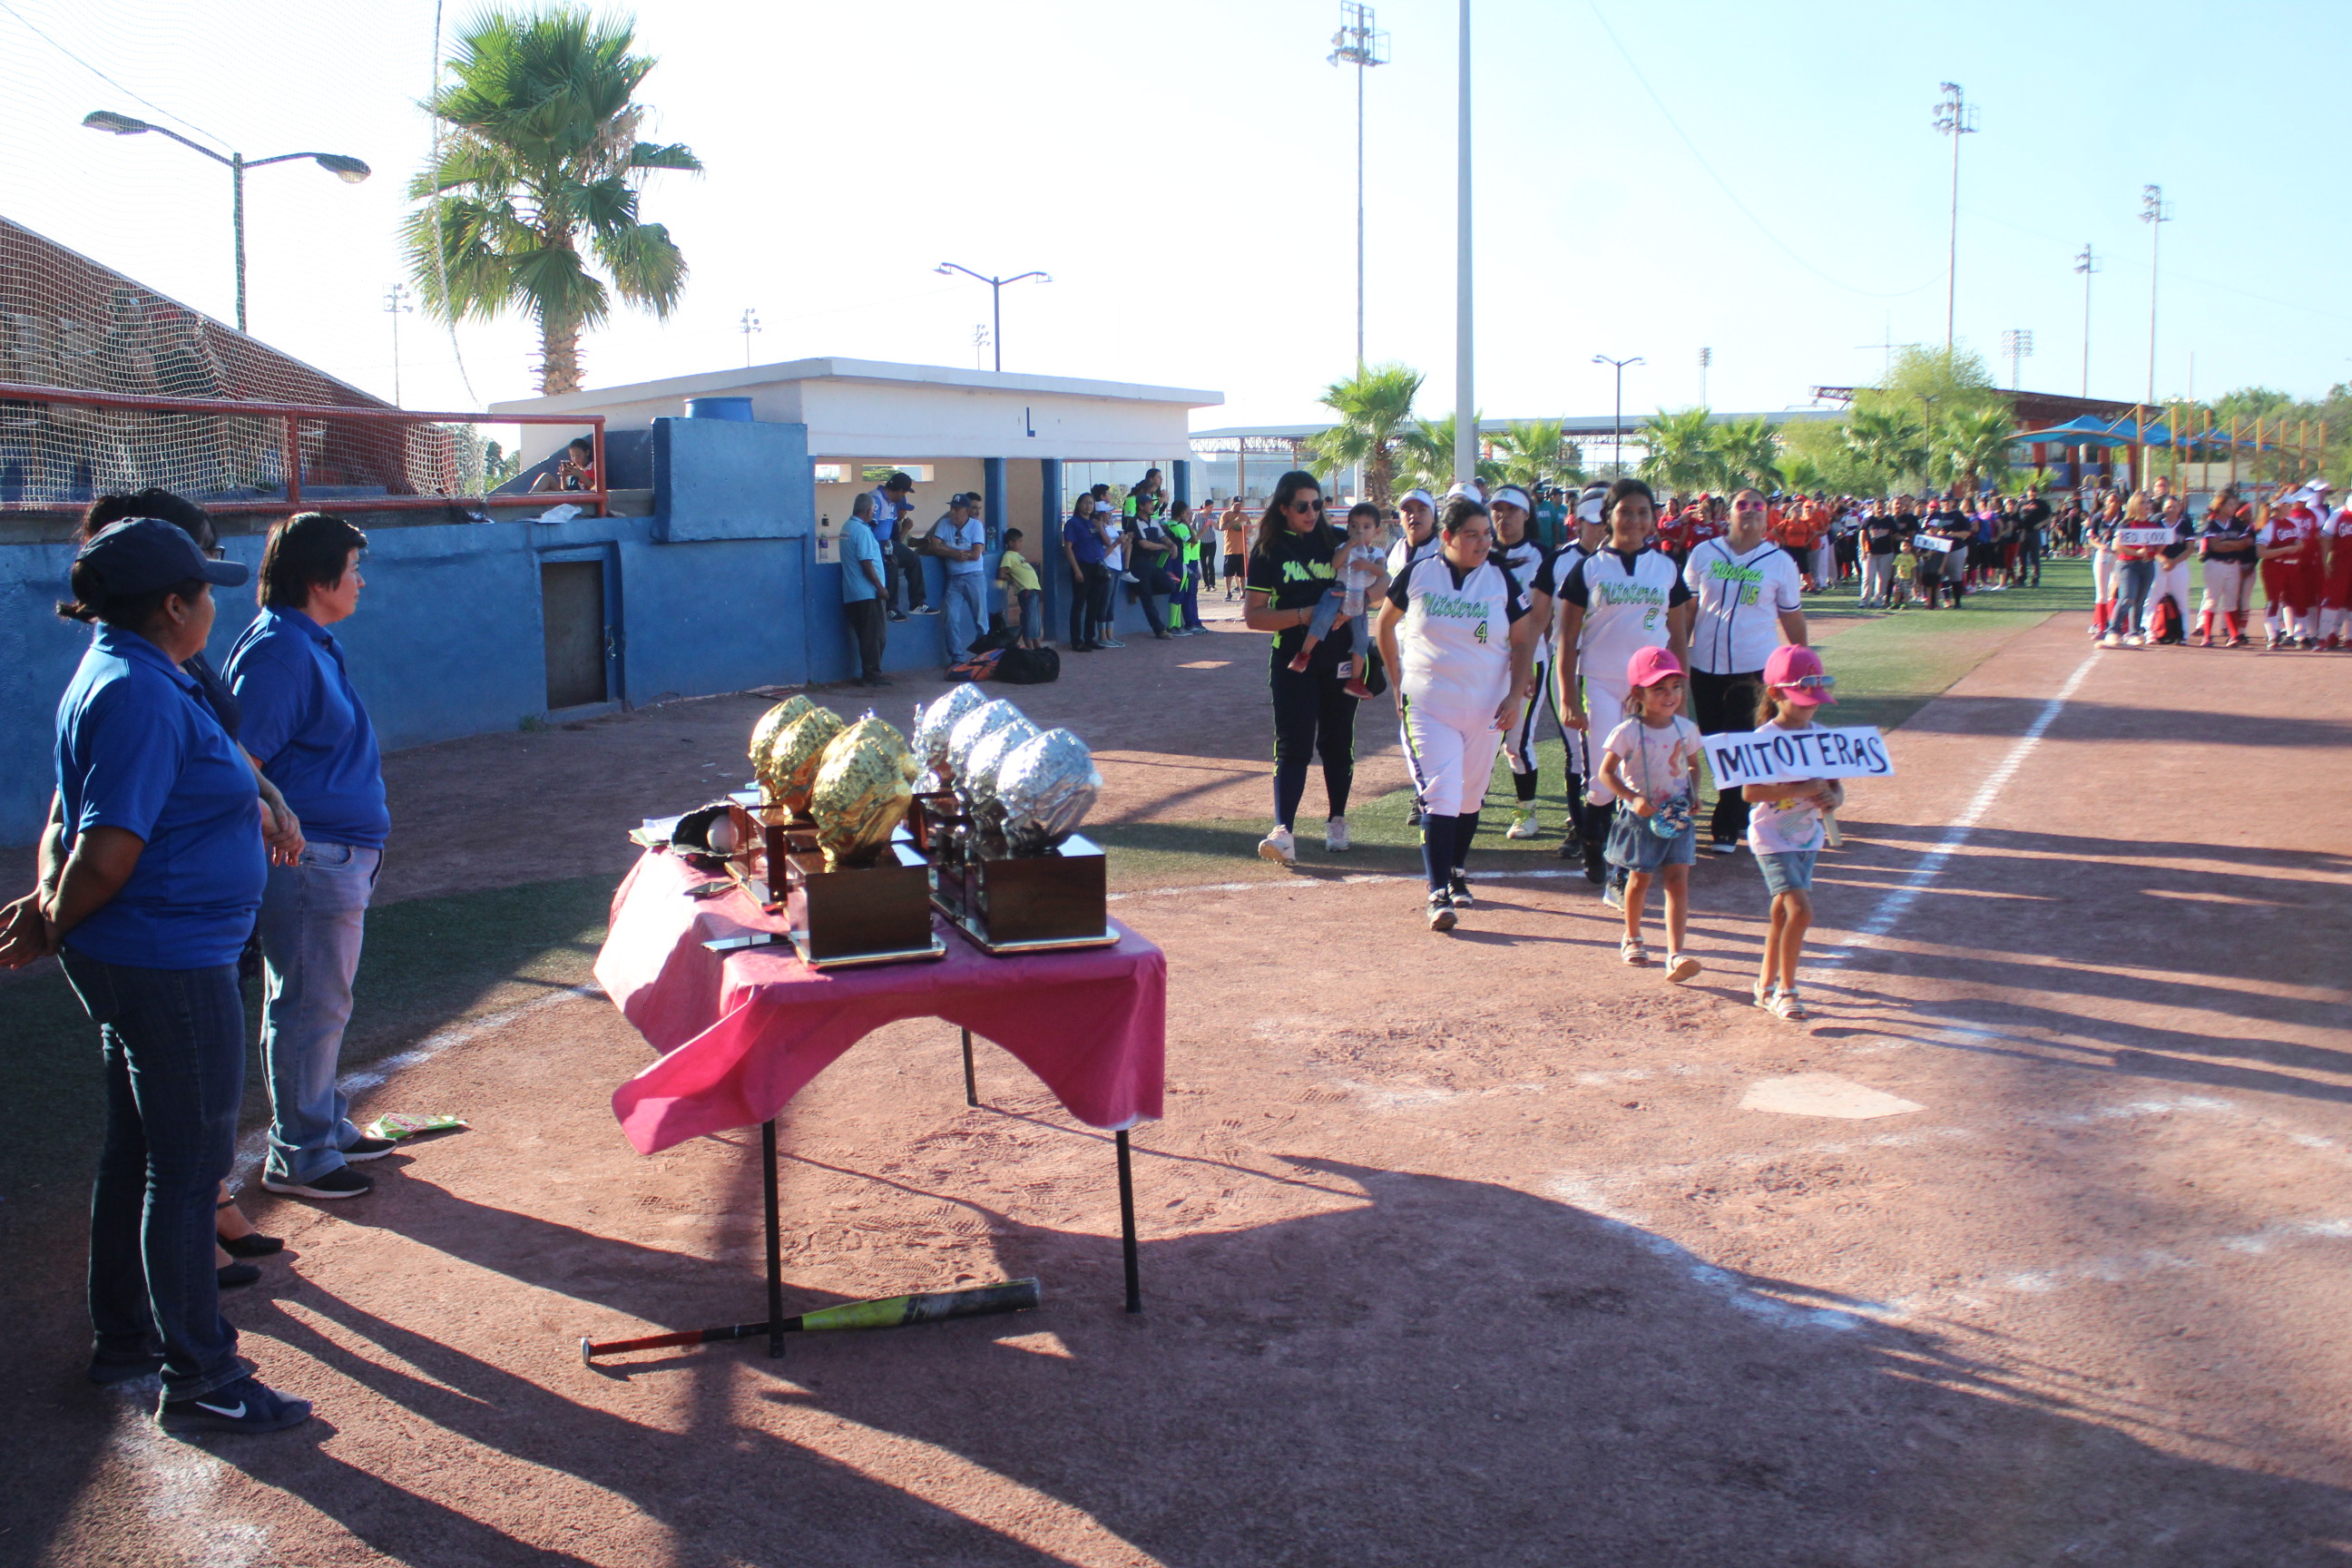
[1292, 565]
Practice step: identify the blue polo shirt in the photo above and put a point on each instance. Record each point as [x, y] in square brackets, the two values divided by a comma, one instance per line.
[308, 728]
[1084, 539]
[140, 749]
[858, 544]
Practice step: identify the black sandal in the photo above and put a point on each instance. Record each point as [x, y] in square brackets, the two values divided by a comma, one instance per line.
[254, 1245]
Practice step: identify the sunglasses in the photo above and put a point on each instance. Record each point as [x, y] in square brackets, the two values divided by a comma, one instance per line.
[1809, 683]
[1306, 506]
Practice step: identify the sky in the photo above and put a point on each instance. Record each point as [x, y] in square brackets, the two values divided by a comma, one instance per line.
[1765, 181]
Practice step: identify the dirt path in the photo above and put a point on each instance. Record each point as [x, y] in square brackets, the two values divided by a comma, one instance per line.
[1460, 1250]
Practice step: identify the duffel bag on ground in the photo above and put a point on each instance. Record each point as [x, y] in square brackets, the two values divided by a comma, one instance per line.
[1028, 666]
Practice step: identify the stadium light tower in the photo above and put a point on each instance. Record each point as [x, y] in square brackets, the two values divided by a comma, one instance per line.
[396, 305]
[1955, 118]
[995, 299]
[1465, 397]
[1706, 358]
[351, 171]
[2017, 342]
[2086, 264]
[2154, 212]
[1358, 44]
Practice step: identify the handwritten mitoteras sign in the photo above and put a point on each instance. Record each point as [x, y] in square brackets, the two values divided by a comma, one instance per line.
[1775, 755]
[2145, 538]
[1934, 543]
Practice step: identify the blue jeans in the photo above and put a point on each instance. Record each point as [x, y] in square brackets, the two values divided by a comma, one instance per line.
[964, 603]
[312, 916]
[2133, 580]
[1033, 620]
[171, 1042]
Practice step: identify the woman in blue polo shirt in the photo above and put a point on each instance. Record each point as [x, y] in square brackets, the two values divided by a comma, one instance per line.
[149, 880]
[305, 724]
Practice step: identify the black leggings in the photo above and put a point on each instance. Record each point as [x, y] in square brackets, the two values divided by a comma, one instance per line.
[1727, 705]
[1313, 716]
[1089, 602]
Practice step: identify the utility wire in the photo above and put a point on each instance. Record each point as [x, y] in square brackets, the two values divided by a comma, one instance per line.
[1725, 186]
[104, 77]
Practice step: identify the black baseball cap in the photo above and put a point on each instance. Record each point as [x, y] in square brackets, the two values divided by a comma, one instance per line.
[142, 554]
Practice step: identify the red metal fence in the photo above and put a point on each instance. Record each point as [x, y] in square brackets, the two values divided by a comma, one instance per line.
[59, 445]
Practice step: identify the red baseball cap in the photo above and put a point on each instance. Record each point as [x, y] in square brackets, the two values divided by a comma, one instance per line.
[1649, 666]
[1796, 673]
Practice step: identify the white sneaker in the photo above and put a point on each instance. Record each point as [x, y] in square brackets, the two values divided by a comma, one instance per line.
[2135, 640]
[1523, 823]
[1334, 836]
[2111, 641]
[1278, 847]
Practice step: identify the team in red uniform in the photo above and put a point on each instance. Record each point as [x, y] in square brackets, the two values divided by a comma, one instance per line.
[2293, 556]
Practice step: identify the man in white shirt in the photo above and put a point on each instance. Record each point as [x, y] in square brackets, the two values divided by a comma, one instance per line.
[1750, 597]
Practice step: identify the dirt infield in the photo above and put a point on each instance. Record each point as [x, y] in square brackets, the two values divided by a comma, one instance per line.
[1471, 1250]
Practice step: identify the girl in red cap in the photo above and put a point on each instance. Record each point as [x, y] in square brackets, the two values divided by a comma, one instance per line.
[1651, 763]
[1784, 830]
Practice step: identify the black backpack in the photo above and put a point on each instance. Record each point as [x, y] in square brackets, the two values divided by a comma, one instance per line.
[1028, 666]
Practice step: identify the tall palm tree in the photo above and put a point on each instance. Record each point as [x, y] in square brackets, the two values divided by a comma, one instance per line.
[1539, 452]
[1889, 444]
[1375, 410]
[1679, 451]
[540, 155]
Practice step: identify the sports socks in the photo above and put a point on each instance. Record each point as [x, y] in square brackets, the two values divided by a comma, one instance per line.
[1465, 828]
[1437, 849]
[1524, 786]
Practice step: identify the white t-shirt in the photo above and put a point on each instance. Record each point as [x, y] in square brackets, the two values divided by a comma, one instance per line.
[1454, 638]
[1660, 762]
[1783, 827]
[1740, 599]
[1404, 553]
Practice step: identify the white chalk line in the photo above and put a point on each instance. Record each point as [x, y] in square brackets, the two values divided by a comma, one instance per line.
[255, 1147]
[1905, 893]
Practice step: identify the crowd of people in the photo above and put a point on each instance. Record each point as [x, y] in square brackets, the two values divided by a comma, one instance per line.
[1615, 630]
[207, 823]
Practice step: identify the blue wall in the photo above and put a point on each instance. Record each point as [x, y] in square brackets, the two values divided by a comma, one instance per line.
[718, 591]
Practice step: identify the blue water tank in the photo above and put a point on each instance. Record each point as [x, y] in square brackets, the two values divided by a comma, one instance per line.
[736, 408]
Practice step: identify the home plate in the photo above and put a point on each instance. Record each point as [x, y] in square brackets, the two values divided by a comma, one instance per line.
[1824, 1094]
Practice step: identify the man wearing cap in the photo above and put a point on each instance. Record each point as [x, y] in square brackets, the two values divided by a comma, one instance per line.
[150, 877]
[893, 499]
[959, 539]
[1749, 597]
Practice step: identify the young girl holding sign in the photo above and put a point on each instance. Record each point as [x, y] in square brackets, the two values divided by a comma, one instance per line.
[1784, 830]
[1651, 763]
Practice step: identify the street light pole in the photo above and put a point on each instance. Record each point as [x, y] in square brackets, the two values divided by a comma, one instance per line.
[351, 171]
[1466, 399]
[1358, 44]
[396, 305]
[995, 303]
[1617, 431]
[2086, 264]
[1955, 118]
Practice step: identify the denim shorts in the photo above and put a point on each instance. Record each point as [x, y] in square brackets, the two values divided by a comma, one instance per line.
[1790, 871]
[1632, 846]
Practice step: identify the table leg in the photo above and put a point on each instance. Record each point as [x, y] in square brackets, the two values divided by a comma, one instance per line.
[775, 1324]
[1126, 1224]
[970, 1085]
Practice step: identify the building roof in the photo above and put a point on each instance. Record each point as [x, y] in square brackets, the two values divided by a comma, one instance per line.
[1571, 424]
[719, 383]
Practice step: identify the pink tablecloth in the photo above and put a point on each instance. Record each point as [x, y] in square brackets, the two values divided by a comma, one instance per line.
[741, 1033]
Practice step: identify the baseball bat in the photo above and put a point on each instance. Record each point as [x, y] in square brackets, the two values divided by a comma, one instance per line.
[887, 1312]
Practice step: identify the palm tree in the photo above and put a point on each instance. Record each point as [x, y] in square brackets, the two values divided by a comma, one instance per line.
[1802, 475]
[1888, 443]
[1749, 451]
[1375, 410]
[1539, 452]
[1975, 446]
[1679, 451]
[1429, 456]
[540, 154]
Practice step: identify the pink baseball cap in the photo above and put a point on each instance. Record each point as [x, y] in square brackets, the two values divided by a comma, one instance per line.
[1649, 666]
[1796, 673]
